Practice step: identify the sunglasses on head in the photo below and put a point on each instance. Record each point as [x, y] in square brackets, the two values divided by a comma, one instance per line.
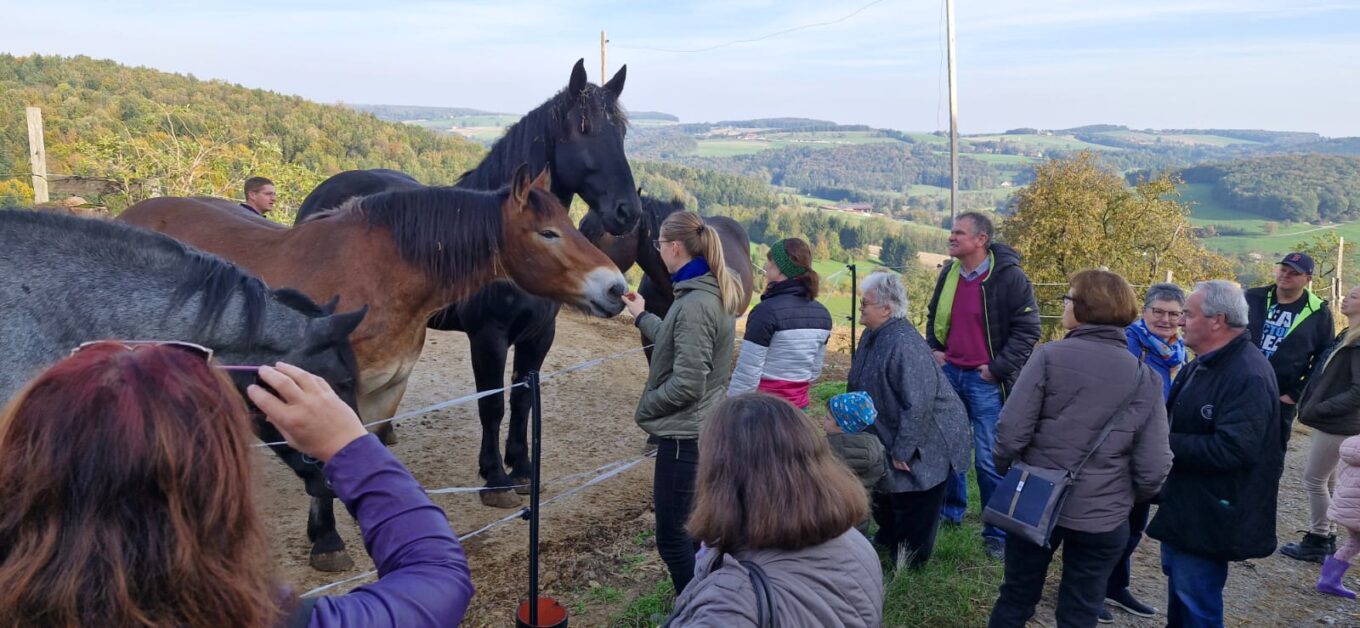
[196, 349]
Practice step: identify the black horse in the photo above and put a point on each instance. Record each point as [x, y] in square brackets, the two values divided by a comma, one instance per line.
[578, 134]
[636, 248]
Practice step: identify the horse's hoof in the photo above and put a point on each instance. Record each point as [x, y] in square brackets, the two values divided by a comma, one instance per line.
[521, 485]
[500, 499]
[332, 561]
[386, 434]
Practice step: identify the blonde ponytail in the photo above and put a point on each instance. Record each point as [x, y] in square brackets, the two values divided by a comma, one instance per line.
[700, 240]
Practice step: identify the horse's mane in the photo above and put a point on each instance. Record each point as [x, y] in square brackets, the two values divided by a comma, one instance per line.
[536, 131]
[655, 210]
[448, 233]
[214, 279]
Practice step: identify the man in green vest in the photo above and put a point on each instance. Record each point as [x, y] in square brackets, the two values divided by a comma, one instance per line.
[1292, 326]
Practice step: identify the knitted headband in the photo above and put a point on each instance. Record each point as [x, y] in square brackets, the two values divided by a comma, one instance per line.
[780, 256]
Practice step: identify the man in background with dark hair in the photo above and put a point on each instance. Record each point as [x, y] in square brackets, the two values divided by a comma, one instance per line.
[260, 195]
[982, 324]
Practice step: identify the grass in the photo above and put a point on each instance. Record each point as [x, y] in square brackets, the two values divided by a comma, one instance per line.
[1173, 138]
[1206, 210]
[1040, 142]
[729, 148]
[956, 588]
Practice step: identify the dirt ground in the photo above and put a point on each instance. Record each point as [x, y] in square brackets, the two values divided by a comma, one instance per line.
[588, 422]
[596, 548]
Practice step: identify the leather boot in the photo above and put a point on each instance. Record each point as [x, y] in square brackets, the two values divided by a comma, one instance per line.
[1313, 548]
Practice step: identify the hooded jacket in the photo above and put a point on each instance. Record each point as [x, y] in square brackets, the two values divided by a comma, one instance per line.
[785, 344]
[1331, 401]
[1012, 316]
[1345, 506]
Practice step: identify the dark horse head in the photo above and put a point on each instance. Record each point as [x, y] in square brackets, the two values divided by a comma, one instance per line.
[578, 133]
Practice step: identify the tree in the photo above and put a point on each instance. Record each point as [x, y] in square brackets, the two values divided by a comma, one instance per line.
[1078, 215]
[896, 253]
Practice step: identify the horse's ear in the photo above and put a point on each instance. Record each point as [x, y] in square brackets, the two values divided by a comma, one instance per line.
[578, 78]
[519, 185]
[544, 179]
[338, 326]
[342, 325]
[329, 307]
[615, 85]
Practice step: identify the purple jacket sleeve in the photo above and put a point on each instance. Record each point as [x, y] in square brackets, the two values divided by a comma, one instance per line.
[423, 577]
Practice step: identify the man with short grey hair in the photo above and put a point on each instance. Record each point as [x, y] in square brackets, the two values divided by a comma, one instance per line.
[1228, 441]
[982, 323]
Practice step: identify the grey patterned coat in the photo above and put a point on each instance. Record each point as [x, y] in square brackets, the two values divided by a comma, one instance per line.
[921, 420]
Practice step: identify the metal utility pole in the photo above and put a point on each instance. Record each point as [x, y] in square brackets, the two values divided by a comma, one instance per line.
[953, 116]
[603, 76]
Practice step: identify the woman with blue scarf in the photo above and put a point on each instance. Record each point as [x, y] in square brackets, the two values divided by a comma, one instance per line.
[1156, 339]
[691, 364]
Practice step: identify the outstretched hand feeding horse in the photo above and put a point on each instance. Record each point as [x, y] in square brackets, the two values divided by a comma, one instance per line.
[578, 136]
[407, 254]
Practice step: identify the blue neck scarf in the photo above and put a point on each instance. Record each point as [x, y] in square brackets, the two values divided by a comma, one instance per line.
[1167, 355]
[695, 268]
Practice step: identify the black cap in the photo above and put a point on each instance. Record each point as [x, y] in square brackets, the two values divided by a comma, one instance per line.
[1298, 261]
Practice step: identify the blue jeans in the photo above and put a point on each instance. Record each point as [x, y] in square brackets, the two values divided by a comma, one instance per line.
[983, 402]
[1194, 589]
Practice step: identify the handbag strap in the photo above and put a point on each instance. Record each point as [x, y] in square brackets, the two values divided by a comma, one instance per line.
[764, 600]
[1109, 423]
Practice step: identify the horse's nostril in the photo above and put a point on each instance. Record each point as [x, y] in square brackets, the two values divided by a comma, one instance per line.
[618, 289]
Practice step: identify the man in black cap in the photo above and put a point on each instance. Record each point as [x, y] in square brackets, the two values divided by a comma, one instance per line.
[1292, 326]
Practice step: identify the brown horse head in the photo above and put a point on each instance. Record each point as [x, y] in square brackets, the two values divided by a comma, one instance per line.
[546, 256]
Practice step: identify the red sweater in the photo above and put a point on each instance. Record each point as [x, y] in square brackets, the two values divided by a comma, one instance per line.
[966, 346]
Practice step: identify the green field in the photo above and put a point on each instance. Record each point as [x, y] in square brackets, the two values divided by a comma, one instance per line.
[1040, 142]
[1190, 139]
[1206, 210]
[730, 148]
[995, 159]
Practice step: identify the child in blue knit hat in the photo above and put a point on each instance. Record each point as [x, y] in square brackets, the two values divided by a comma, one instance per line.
[848, 417]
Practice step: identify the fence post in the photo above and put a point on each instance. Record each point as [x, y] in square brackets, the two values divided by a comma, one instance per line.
[1170, 277]
[37, 155]
[1340, 260]
[534, 487]
[854, 307]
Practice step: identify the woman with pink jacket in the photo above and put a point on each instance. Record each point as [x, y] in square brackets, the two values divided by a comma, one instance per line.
[1345, 511]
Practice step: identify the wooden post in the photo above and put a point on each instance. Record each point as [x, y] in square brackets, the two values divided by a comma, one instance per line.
[1170, 277]
[37, 155]
[953, 117]
[1340, 260]
[603, 76]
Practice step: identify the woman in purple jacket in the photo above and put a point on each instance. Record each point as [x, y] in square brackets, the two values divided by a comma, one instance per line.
[126, 498]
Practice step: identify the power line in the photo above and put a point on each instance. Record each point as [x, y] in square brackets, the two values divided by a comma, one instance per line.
[786, 31]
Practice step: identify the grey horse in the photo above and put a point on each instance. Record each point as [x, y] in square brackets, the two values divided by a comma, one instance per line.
[65, 280]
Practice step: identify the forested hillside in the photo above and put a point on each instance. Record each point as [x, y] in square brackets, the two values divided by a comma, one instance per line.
[1301, 188]
[129, 124]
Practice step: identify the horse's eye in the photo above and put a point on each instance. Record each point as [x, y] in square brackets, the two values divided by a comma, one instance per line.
[549, 234]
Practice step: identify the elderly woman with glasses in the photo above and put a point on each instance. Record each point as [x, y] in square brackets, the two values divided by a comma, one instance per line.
[921, 421]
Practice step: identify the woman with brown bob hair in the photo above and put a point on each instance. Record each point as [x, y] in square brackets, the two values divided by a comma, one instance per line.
[126, 499]
[1079, 396]
[776, 509]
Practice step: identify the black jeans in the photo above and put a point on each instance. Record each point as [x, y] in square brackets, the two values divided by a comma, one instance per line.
[910, 520]
[1119, 578]
[1087, 561]
[677, 462]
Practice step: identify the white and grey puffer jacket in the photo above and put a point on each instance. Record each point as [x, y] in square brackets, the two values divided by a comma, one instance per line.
[785, 344]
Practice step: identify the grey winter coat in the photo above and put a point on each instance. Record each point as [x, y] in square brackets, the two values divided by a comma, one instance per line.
[1063, 397]
[921, 420]
[837, 583]
[691, 362]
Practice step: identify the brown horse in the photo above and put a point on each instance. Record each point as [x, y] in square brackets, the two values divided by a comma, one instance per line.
[406, 254]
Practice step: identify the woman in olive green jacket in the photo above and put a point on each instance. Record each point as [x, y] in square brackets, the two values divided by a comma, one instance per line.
[691, 364]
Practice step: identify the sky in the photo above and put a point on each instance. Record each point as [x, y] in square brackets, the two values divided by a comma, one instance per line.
[1166, 64]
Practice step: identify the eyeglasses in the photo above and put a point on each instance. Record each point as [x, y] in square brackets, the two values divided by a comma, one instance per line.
[867, 304]
[656, 244]
[1160, 313]
[1067, 298]
[196, 349]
